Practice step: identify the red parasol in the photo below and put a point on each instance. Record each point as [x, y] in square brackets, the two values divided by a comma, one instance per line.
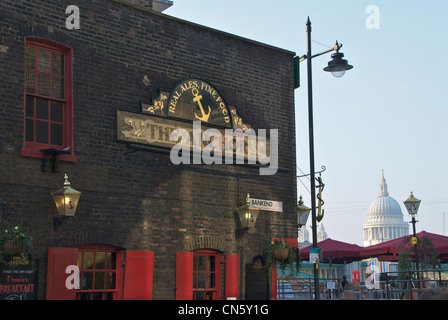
[335, 251]
[389, 250]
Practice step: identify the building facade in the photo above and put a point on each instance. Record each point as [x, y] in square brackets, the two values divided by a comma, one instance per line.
[99, 101]
[384, 219]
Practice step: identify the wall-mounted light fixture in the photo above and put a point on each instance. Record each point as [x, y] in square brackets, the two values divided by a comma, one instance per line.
[66, 200]
[248, 215]
[302, 213]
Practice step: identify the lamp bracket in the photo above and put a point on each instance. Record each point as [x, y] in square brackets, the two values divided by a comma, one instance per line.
[336, 48]
[58, 221]
[319, 172]
[52, 152]
[5, 206]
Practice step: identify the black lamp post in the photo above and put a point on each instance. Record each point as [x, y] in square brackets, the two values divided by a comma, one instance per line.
[337, 66]
[412, 204]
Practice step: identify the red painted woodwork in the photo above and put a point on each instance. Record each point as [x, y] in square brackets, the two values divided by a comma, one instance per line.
[274, 284]
[58, 260]
[184, 275]
[232, 275]
[138, 275]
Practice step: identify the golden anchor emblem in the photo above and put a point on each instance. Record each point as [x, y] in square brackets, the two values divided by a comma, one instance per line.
[197, 98]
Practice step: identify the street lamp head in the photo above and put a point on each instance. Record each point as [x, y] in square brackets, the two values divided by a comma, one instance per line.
[302, 213]
[247, 215]
[66, 199]
[337, 66]
[412, 204]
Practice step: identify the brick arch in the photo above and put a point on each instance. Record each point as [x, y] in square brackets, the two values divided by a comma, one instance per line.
[206, 242]
[96, 237]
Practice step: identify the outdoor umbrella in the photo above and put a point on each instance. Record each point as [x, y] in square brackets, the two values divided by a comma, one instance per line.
[389, 250]
[335, 251]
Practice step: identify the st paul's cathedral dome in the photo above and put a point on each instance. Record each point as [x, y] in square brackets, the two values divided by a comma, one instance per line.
[384, 219]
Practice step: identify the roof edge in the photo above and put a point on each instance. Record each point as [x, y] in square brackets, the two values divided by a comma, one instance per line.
[166, 16]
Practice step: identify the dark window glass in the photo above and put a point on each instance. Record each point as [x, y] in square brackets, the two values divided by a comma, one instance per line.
[56, 111]
[29, 132]
[56, 134]
[41, 132]
[42, 108]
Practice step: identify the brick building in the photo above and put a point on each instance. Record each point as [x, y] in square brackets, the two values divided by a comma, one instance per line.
[144, 227]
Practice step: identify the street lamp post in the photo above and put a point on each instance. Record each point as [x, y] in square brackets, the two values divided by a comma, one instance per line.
[337, 67]
[412, 204]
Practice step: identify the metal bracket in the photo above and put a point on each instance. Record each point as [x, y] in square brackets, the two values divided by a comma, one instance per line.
[57, 222]
[54, 152]
[5, 206]
[319, 172]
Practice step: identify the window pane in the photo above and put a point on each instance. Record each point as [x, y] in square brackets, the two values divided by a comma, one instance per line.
[41, 108]
[97, 296]
[84, 296]
[200, 263]
[29, 106]
[30, 81]
[110, 280]
[56, 134]
[201, 281]
[108, 261]
[88, 260]
[211, 281]
[41, 132]
[58, 64]
[211, 262]
[29, 130]
[87, 280]
[99, 260]
[43, 84]
[43, 60]
[109, 295]
[57, 87]
[113, 258]
[56, 111]
[198, 295]
[31, 57]
[99, 280]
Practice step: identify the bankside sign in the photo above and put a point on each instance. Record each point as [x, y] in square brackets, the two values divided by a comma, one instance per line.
[267, 205]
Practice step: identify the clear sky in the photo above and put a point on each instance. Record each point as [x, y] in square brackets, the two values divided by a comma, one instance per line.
[388, 113]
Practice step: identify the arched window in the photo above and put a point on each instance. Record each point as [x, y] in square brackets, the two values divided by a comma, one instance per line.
[206, 275]
[98, 272]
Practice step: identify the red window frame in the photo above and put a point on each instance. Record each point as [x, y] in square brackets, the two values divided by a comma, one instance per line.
[206, 275]
[99, 273]
[34, 97]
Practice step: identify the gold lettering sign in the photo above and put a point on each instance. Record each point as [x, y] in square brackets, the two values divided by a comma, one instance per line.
[198, 100]
[191, 101]
[156, 131]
